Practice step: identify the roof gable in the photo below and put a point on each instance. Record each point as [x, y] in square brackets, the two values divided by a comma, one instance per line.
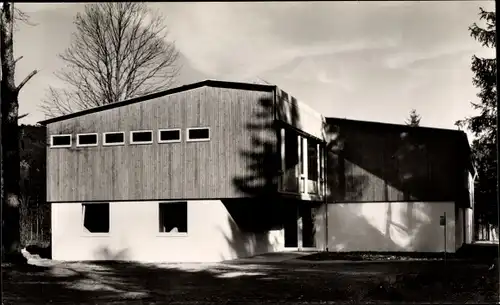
[207, 83]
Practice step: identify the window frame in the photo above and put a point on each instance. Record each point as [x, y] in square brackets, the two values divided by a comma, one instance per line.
[84, 230]
[188, 139]
[169, 141]
[61, 146]
[115, 143]
[131, 135]
[170, 234]
[87, 134]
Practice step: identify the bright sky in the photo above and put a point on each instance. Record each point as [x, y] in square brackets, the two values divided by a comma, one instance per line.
[370, 61]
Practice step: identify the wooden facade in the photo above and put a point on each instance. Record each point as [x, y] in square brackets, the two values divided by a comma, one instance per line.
[376, 162]
[219, 168]
[241, 158]
[262, 142]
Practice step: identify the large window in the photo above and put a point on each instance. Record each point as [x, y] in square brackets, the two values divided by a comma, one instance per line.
[113, 138]
[169, 135]
[173, 218]
[95, 217]
[60, 140]
[312, 160]
[198, 134]
[291, 149]
[86, 139]
[141, 137]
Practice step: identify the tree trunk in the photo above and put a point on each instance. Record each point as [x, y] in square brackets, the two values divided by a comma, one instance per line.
[10, 140]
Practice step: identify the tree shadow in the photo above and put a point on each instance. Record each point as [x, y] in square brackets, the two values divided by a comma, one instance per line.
[262, 159]
[255, 225]
[398, 167]
[104, 253]
[263, 173]
[126, 282]
[413, 163]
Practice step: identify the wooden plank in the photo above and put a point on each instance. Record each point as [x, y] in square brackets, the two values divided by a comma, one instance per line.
[160, 171]
[387, 164]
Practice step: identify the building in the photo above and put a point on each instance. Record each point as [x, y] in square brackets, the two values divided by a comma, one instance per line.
[219, 170]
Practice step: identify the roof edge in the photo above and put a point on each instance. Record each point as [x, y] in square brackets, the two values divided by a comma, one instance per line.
[191, 86]
[394, 125]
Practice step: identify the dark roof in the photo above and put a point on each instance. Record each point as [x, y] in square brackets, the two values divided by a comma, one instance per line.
[208, 82]
[372, 124]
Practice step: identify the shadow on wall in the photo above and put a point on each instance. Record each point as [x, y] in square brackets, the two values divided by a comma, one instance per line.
[255, 226]
[262, 160]
[368, 180]
[256, 222]
[104, 253]
[405, 163]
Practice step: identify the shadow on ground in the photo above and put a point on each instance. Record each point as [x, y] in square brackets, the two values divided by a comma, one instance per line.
[285, 282]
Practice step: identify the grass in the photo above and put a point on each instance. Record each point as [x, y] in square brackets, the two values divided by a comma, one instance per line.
[303, 282]
[374, 256]
[480, 252]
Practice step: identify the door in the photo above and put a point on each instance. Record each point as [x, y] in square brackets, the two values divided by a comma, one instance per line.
[308, 229]
[299, 226]
[290, 226]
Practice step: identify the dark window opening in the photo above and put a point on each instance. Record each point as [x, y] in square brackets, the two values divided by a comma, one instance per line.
[291, 149]
[312, 160]
[302, 164]
[87, 139]
[113, 138]
[199, 134]
[96, 217]
[142, 136]
[61, 140]
[173, 217]
[170, 135]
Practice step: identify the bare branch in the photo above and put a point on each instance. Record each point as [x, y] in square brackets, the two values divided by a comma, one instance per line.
[26, 79]
[119, 51]
[18, 59]
[22, 116]
[22, 17]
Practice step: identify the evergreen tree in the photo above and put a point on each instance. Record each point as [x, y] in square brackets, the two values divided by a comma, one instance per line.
[414, 119]
[484, 125]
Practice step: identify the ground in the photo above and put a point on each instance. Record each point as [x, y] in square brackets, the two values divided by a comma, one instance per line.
[285, 281]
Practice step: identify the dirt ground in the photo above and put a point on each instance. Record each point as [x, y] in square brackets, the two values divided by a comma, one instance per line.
[297, 282]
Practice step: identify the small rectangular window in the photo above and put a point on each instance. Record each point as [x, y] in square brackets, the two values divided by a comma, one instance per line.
[198, 134]
[169, 135]
[141, 137]
[173, 217]
[60, 140]
[113, 138]
[86, 139]
[95, 217]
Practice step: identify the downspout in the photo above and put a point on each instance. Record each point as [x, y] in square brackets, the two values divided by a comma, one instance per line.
[473, 224]
[325, 183]
[324, 196]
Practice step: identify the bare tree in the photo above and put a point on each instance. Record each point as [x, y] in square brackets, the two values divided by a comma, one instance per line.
[119, 51]
[9, 115]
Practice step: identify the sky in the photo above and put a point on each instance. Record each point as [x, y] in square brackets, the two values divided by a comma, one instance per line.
[371, 61]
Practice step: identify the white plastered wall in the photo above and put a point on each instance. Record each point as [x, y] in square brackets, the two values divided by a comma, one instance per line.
[386, 226]
[212, 235]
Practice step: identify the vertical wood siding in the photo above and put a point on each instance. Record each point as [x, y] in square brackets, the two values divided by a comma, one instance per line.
[372, 164]
[160, 171]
